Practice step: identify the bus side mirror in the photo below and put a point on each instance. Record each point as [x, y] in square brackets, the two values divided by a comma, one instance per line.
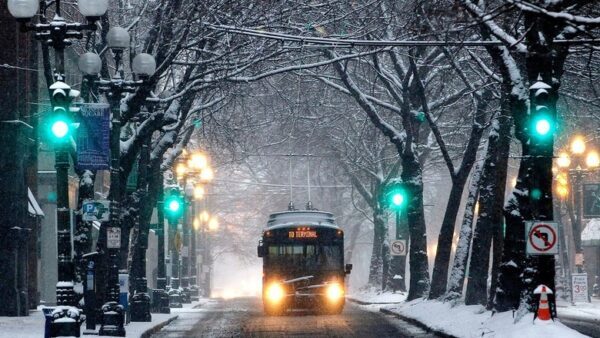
[348, 268]
[260, 250]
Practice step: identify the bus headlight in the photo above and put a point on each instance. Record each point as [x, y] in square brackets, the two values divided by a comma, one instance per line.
[275, 292]
[334, 292]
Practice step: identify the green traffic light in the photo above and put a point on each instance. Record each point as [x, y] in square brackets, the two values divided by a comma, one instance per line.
[60, 129]
[542, 127]
[397, 199]
[174, 206]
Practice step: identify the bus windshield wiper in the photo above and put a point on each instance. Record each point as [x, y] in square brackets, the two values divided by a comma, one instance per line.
[289, 281]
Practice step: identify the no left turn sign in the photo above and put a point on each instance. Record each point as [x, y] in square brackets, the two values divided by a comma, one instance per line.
[398, 247]
[542, 238]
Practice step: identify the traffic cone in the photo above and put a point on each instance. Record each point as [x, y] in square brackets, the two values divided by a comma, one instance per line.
[543, 312]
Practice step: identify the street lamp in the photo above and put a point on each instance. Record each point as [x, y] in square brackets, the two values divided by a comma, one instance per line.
[115, 88]
[575, 163]
[59, 34]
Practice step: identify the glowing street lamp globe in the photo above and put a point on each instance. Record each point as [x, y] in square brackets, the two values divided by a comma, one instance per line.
[578, 145]
[563, 160]
[23, 9]
[592, 160]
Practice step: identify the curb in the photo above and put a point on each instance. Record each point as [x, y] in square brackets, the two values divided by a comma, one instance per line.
[416, 323]
[362, 302]
[592, 321]
[410, 320]
[157, 327]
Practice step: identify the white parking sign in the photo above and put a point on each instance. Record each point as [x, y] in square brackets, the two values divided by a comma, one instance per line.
[113, 238]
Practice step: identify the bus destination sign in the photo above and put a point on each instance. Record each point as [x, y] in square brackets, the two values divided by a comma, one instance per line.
[302, 233]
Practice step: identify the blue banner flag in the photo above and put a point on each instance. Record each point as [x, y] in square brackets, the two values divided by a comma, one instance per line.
[93, 137]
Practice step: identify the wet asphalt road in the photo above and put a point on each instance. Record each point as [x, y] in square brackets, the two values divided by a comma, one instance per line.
[591, 329]
[243, 317]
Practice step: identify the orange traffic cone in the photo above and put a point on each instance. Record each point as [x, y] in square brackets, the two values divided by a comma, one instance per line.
[543, 312]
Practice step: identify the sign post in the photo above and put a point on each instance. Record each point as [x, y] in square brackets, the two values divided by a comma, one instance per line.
[542, 238]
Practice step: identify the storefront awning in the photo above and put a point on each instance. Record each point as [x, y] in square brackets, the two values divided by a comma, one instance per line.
[32, 206]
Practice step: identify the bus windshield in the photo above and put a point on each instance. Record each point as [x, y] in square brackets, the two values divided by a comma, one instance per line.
[306, 257]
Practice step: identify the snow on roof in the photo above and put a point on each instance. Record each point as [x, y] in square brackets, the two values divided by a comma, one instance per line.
[301, 217]
[590, 236]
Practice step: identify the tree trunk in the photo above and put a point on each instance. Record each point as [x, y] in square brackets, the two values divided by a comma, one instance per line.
[379, 235]
[398, 263]
[444, 245]
[459, 267]
[419, 265]
[491, 199]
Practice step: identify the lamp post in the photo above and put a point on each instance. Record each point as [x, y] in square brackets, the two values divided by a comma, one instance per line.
[576, 162]
[143, 66]
[59, 34]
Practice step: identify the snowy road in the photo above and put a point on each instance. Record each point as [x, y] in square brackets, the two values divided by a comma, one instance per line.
[243, 317]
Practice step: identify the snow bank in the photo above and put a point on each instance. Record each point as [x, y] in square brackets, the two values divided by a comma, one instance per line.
[375, 296]
[474, 321]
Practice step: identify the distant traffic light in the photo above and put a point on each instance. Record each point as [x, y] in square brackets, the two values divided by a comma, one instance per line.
[174, 205]
[396, 197]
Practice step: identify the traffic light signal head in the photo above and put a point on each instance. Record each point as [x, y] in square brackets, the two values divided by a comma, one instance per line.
[542, 121]
[174, 204]
[60, 125]
[60, 122]
[396, 197]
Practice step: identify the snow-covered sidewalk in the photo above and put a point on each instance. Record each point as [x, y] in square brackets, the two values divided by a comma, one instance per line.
[32, 326]
[589, 312]
[458, 320]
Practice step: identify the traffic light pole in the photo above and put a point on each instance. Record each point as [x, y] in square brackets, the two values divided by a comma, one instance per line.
[193, 260]
[161, 299]
[66, 272]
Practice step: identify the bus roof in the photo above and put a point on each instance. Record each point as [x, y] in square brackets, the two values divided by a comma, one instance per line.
[301, 217]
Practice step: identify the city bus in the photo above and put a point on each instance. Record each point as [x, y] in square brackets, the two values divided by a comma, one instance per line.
[303, 263]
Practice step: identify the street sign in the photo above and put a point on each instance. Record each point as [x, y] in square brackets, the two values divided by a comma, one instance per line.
[398, 247]
[95, 210]
[580, 287]
[591, 200]
[542, 238]
[113, 238]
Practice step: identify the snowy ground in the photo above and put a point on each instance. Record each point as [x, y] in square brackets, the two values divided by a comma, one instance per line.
[33, 325]
[459, 320]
